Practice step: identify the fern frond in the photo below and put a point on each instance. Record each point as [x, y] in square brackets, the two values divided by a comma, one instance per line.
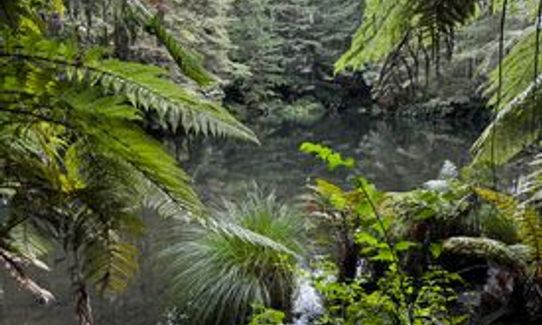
[389, 25]
[189, 64]
[384, 24]
[145, 86]
[175, 107]
[117, 138]
[110, 266]
[513, 130]
[528, 220]
[514, 127]
[505, 203]
[518, 69]
[532, 187]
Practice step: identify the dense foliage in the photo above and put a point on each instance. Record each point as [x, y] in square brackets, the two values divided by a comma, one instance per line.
[94, 95]
[77, 163]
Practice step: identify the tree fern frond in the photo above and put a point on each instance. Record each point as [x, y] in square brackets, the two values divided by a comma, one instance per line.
[388, 24]
[385, 23]
[515, 126]
[394, 33]
[518, 69]
[528, 220]
[513, 129]
[532, 187]
[119, 139]
[189, 64]
[505, 203]
[110, 266]
[175, 107]
[145, 86]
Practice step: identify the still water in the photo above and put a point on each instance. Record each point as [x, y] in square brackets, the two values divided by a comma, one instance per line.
[395, 154]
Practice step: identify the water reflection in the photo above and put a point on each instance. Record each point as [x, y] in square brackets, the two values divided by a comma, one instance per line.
[395, 154]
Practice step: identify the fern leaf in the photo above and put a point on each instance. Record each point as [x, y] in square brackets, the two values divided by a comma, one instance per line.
[518, 69]
[514, 127]
[110, 266]
[506, 203]
[189, 64]
[513, 130]
[173, 106]
[145, 86]
[119, 138]
[528, 220]
[389, 25]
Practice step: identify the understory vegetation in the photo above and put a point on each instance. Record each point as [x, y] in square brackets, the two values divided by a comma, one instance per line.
[111, 112]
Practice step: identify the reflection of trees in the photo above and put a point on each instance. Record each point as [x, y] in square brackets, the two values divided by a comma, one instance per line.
[402, 155]
[395, 154]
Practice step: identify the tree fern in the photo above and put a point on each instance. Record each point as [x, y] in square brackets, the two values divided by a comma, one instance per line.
[75, 156]
[84, 200]
[171, 106]
[528, 220]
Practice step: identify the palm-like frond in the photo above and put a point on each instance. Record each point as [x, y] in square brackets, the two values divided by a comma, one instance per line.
[397, 36]
[513, 129]
[108, 130]
[90, 206]
[174, 107]
[168, 104]
[532, 187]
[385, 23]
[111, 266]
[527, 218]
[244, 255]
[189, 64]
[75, 156]
[388, 26]
[518, 67]
[515, 125]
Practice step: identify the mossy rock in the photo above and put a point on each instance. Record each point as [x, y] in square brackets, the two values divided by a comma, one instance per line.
[304, 111]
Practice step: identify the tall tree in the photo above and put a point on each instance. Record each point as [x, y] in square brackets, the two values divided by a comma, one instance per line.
[290, 46]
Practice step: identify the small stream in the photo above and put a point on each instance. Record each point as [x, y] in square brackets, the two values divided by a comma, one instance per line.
[395, 154]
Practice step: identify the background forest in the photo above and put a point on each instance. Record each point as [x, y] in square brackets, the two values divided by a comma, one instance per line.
[266, 162]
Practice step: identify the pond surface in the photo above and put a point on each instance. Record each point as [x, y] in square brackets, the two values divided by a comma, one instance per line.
[395, 154]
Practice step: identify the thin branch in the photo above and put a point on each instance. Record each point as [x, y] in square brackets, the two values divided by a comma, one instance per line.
[13, 265]
[534, 119]
[499, 91]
